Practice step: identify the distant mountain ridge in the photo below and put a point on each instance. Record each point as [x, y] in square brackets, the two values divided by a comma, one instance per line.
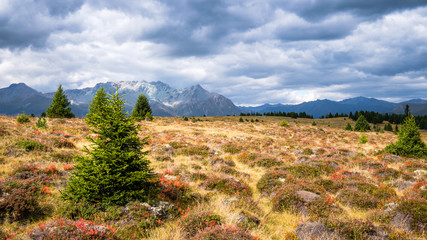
[192, 101]
[322, 107]
[164, 100]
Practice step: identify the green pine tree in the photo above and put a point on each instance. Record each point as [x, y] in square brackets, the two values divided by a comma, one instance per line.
[114, 170]
[348, 127]
[98, 109]
[59, 106]
[142, 107]
[388, 127]
[362, 125]
[409, 141]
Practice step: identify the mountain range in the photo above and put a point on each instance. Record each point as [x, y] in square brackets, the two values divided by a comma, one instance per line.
[164, 100]
[322, 107]
[192, 101]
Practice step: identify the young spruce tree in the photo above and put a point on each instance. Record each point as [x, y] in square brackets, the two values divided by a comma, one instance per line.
[59, 106]
[142, 108]
[362, 125]
[114, 170]
[98, 108]
[409, 141]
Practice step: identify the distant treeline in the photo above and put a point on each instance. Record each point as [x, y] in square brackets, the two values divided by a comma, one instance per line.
[371, 116]
[375, 117]
[279, 114]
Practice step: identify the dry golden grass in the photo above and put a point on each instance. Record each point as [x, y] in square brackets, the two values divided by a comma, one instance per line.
[327, 141]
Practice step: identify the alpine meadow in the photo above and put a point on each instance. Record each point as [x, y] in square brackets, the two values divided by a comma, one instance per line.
[213, 120]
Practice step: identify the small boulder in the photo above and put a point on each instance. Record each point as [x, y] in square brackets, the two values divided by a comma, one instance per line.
[314, 230]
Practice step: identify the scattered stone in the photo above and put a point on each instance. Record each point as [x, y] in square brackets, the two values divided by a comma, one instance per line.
[307, 196]
[301, 160]
[402, 221]
[401, 184]
[314, 230]
[392, 158]
[389, 207]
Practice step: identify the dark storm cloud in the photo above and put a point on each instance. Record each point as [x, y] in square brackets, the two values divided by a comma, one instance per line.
[319, 9]
[252, 51]
[198, 28]
[30, 23]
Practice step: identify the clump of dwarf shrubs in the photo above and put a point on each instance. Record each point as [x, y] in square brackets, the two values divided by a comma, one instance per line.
[23, 118]
[30, 145]
[231, 148]
[284, 123]
[200, 150]
[198, 220]
[272, 179]
[228, 185]
[354, 198]
[288, 197]
[224, 233]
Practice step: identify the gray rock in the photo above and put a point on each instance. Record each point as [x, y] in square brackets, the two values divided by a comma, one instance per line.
[402, 184]
[402, 221]
[307, 196]
[314, 230]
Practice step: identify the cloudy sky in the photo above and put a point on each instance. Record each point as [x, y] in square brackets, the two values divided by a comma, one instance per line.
[251, 51]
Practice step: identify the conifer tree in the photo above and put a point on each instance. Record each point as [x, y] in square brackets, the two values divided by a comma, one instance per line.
[348, 127]
[142, 107]
[409, 142]
[114, 170]
[97, 108]
[59, 106]
[388, 127]
[362, 125]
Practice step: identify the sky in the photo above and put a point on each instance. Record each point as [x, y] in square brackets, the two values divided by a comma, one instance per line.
[251, 51]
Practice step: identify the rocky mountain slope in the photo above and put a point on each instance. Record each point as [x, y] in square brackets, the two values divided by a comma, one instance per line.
[164, 100]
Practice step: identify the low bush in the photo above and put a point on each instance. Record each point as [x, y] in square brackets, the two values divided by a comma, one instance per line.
[201, 150]
[247, 220]
[198, 220]
[413, 166]
[246, 157]
[30, 145]
[177, 145]
[77, 210]
[231, 148]
[218, 160]
[302, 170]
[21, 201]
[386, 174]
[174, 189]
[266, 162]
[363, 139]
[356, 198]
[224, 233]
[316, 204]
[64, 156]
[228, 185]
[198, 176]
[68, 229]
[61, 143]
[23, 118]
[416, 208]
[284, 123]
[332, 186]
[352, 229]
[272, 179]
[3, 132]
